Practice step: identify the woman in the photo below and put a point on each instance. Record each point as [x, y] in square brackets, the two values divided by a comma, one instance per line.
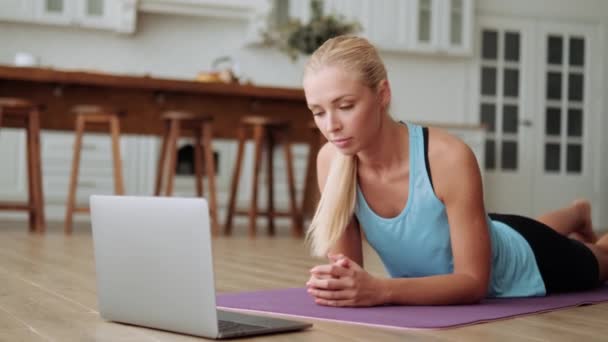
[415, 195]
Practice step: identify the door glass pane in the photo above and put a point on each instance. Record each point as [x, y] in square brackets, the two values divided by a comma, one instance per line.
[456, 22]
[488, 81]
[95, 8]
[54, 6]
[575, 122]
[509, 155]
[554, 85]
[424, 21]
[509, 119]
[554, 50]
[553, 122]
[577, 51]
[552, 157]
[490, 154]
[575, 87]
[488, 116]
[574, 158]
[512, 46]
[511, 82]
[489, 45]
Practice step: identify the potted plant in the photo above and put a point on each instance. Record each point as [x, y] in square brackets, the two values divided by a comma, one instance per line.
[296, 38]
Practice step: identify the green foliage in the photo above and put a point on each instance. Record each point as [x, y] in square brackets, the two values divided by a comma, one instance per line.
[296, 38]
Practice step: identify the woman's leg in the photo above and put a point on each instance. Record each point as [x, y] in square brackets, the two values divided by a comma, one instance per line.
[573, 221]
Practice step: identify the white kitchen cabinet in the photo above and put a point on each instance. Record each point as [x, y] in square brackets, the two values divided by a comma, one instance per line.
[115, 15]
[417, 26]
[441, 26]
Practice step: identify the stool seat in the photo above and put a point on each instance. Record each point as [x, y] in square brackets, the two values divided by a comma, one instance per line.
[267, 133]
[265, 121]
[21, 113]
[93, 115]
[12, 103]
[88, 109]
[185, 116]
[176, 122]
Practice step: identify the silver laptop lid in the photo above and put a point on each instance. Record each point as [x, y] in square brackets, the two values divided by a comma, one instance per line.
[154, 263]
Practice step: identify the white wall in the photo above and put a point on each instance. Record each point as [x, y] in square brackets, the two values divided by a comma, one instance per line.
[181, 46]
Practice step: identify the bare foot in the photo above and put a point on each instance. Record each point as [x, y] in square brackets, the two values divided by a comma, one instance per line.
[586, 231]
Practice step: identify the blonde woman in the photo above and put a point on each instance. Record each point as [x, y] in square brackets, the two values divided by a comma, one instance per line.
[415, 195]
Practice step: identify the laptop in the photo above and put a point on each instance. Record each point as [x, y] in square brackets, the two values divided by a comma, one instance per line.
[155, 269]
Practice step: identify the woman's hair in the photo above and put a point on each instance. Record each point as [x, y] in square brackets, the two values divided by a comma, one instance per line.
[337, 204]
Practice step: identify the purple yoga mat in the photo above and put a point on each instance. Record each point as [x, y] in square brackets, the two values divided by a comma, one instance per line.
[297, 302]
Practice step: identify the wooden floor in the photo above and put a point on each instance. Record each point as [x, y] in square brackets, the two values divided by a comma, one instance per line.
[47, 293]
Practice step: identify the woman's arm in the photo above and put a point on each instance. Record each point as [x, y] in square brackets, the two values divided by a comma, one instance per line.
[457, 183]
[350, 242]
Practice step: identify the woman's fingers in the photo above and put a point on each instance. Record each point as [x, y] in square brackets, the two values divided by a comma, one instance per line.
[329, 283]
[330, 295]
[335, 270]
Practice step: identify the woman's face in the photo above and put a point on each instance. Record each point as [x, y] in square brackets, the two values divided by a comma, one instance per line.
[347, 112]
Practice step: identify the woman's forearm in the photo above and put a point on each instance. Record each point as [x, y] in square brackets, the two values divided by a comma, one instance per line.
[433, 290]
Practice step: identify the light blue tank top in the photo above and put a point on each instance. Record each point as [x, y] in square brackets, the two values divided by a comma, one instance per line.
[416, 243]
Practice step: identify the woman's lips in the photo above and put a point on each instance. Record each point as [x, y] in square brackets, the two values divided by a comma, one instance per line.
[342, 142]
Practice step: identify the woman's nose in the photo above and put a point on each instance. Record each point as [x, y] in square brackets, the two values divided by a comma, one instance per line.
[333, 123]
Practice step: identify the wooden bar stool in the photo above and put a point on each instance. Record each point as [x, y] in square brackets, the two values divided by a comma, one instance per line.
[311, 192]
[267, 132]
[23, 114]
[202, 126]
[93, 116]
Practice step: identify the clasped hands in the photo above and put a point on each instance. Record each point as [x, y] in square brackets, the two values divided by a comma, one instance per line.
[343, 282]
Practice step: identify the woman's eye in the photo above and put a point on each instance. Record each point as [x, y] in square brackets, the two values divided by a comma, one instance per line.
[346, 107]
[317, 113]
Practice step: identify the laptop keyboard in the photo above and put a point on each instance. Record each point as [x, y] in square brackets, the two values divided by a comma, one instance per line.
[233, 327]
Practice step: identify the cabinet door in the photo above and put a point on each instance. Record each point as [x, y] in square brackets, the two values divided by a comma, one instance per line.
[456, 26]
[54, 11]
[16, 10]
[425, 25]
[93, 13]
[386, 24]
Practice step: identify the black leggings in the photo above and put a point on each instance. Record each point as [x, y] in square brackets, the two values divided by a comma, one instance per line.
[565, 264]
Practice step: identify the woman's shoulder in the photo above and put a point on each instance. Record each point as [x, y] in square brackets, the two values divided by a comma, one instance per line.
[446, 148]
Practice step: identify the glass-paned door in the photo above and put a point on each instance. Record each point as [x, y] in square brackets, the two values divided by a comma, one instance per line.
[504, 83]
[564, 169]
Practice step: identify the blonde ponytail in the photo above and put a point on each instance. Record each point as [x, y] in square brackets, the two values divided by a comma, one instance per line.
[336, 206]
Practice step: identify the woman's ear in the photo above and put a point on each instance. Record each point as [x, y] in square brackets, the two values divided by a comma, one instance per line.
[384, 93]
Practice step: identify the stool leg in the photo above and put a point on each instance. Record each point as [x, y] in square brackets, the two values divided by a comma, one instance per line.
[258, 136]
[162, 162]
[173, 135]
[210, 170]
[119, 186]
[198, 161]
[69, 211]
[236, 176]
[30, 175]
[270, 183]
[36, 172]
[311, 188]
[295, 216]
